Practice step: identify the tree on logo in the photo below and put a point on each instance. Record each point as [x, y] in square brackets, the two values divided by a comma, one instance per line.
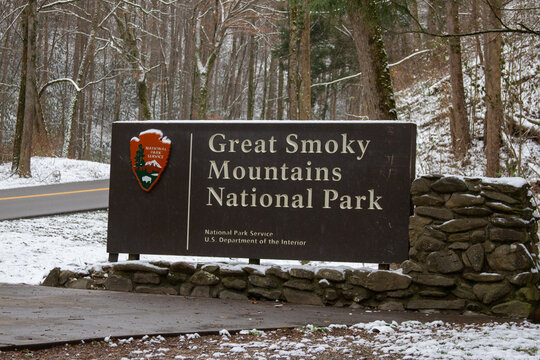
[139, 158]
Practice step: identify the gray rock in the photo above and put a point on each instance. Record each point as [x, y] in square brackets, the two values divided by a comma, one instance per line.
[331, 294]
[391, 306]
[500, 197]
[434, 280]
[176, 278]
[409, 266]
[359, 278]
[507, 188]
[459, 246]
[211, 268]
[132, 267]
[473, 257]
[464, 291]
[507, 235]
[434, 212]
[464, 200]
[488, 293]
[449, 184]
[429, 244]
[428, 200]
[157, 290]
[301, 297]
[432, 293]
[525, 278]
[64, 276]
[183, 267]
[529, 293]
[118, 283]
[473, 211]
[498, 206]
[489, 246]
[419, 304]
[82, 284]
[270, 294]
[400, 294]
[514, 308]
[185, 289]
[330, 274]
[232, 295]
[203, 278]
[478, 236]
[460, 237]
[509, 258]
[146, 278]
[466, 224]
[232, 271]
[387, 281]
[299, 284]
[234, 283]
[503, 220]
[420, 186]
[52, 278]
[278, 272]
[444, 262]
[474, 184]
[416, 221]
[302, 273]
[201, 291]
[485, 277]
[356, 294]
[267, 282]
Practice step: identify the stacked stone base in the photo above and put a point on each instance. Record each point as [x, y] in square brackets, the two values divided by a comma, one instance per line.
[473, 249]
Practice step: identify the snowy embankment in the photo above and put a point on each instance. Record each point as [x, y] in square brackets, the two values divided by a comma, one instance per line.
[47, 171]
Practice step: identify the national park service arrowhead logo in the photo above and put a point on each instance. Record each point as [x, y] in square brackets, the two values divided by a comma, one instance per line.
[149, 156]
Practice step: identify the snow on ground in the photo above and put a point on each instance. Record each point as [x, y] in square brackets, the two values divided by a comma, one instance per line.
[47, 170]
[32, 247]
[375, 340]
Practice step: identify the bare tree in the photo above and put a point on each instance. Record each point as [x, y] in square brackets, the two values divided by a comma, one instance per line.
[494, 109]
[459, 125]
[378, 94]
[28, 99]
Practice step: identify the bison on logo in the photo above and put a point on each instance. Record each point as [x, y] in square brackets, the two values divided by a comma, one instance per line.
[149, 156]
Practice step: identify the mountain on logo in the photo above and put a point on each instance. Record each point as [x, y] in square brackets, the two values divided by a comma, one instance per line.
[152, 166]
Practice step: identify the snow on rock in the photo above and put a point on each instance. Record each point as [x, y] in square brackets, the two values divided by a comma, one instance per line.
[46, 170]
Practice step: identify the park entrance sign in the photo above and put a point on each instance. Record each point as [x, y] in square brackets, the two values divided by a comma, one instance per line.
[301, 190]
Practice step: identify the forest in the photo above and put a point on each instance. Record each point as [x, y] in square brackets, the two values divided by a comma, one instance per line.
[466, 71]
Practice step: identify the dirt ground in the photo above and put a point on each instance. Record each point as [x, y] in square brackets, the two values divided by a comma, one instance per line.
[302, 343]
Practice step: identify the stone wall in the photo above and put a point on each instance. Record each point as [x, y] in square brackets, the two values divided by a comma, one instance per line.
[473, 249]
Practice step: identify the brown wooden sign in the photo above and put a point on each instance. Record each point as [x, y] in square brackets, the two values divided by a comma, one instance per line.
[274, 190]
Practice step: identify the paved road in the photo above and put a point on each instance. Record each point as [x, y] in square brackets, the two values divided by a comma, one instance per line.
[38, 316]
[53, 199]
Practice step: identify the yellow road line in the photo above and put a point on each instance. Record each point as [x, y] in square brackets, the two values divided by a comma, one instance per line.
[53, 194]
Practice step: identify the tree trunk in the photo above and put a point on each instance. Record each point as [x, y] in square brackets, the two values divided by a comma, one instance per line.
[494, 109]
[279, 113]
[292, 74]
[22, 93]
[272, 77]
[172, 69]
[305, 64]
[30, 99]
[459, 123]
[251, 82]
[264, 85]
[378, 100]
[187, 72]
